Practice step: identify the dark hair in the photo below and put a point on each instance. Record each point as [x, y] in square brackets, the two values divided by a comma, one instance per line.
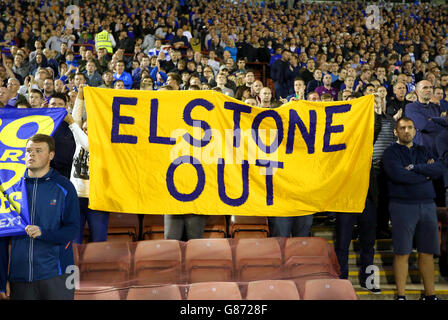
[175, 77]
[25, 103]
[43, 138]
[81, 74]
[59, 95]
[38, 92]
[402, 119]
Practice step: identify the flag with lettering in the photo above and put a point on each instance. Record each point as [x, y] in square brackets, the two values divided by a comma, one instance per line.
[180, 152]
[16, 127]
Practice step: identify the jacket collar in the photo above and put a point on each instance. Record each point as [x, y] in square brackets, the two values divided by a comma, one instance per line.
[45, 177]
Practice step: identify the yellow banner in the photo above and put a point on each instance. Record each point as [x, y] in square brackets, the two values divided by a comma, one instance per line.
[179, 152]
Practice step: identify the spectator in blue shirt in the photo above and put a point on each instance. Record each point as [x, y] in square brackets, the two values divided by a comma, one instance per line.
[122, 75]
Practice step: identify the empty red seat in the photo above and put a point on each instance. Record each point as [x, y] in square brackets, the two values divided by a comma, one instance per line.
[248, 227]
[153, 227]
[215, 227]
[307, 256]
[157, 261]
[123, 227]
[98, 293]
[170, 292]
[214, 291]
[208, 260]
[329, 289]
[105, 262]
[258, 259]
[272, 290]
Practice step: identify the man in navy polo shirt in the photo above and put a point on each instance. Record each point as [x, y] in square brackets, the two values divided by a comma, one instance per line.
[410, 168]
[426, 117]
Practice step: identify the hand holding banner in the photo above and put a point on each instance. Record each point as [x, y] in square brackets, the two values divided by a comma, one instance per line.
[16, 127]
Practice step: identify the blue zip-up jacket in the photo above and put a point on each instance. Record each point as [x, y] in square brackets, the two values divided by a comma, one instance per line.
[53, 206]
[428, 123]
[411, 186]
[442, 151]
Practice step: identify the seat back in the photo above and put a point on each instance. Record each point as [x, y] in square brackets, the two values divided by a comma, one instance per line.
[123, 227]
[272, 290]
[208, 260]
[105, 262]
[157, 261]
[153, 227]
[306, 246]
[215, 227]
[329, 289]
[170, 292]
[248, 227]
[258, 259]
[98, 293]
[214, 291]
[306, 256]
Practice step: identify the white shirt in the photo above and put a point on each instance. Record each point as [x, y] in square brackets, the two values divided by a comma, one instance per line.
[80, 161]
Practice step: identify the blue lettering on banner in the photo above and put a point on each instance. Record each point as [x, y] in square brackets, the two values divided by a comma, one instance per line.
[329, 129]
[222, 187]
[202, 124]
[153, 126]
[116, 137]
[184, 197]
[237, 109]
[279, 136]
[308, 135]
[269, 165]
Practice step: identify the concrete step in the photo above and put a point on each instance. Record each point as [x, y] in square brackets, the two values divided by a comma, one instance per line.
[385, 258]
[386, 274]
[389, 292]
[380, 245]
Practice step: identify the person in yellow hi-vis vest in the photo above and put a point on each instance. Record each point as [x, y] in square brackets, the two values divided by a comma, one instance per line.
[105, 39]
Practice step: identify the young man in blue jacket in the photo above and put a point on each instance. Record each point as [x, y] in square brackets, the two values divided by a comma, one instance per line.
[410, 169]
[38, 259]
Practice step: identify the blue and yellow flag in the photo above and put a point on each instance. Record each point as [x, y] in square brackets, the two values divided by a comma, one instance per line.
[179, 152]
[16, 127]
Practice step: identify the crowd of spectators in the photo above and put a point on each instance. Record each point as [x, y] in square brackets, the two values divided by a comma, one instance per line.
[264, 53]
[214, 45]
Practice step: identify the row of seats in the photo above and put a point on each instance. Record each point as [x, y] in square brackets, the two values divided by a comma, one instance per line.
[317, 289]
[171, 261]
[133, 227]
